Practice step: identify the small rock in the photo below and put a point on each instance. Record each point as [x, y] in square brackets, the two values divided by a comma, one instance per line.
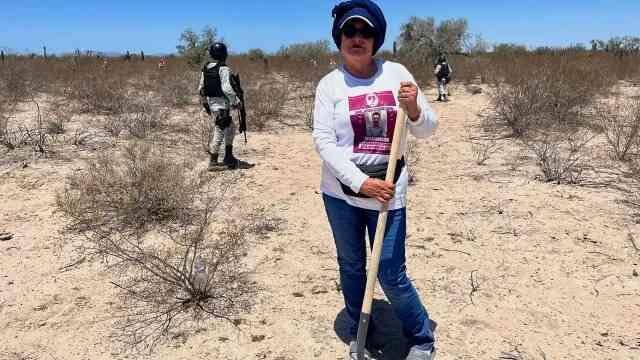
[318, 289]
[6, 236]
[474, 90]
[298, 294]
[257, 338]
[223, 339]
[635, 272]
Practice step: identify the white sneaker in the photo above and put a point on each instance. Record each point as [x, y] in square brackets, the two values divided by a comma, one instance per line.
[353, 352]
[418, 354]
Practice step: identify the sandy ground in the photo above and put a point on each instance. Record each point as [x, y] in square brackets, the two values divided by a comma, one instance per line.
[552, 266]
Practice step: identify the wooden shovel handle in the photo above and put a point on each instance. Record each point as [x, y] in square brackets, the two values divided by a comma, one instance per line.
[365, 314]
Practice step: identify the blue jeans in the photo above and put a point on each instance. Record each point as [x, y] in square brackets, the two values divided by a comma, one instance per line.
[348, 224]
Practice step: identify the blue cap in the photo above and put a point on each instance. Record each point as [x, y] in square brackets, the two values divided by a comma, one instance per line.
[367, 11]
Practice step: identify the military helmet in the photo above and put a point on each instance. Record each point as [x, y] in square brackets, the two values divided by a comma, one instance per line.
[218, 51]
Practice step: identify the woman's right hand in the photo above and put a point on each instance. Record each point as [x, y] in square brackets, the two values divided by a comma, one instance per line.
[378, 189]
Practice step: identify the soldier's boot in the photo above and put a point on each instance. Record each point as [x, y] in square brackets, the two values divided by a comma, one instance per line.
[231, 162]
[214, 165]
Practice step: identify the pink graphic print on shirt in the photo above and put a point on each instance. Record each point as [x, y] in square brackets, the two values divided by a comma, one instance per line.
[373, 119]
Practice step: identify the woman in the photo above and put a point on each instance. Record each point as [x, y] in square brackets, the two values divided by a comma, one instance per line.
[345, 99]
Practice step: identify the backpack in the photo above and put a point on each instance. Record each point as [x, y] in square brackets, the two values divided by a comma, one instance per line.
[212, 84]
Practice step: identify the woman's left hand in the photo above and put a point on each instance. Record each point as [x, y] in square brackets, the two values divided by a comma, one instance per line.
[408, 97]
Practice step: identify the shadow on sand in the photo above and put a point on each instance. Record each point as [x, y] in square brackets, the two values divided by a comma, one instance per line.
[387, 341]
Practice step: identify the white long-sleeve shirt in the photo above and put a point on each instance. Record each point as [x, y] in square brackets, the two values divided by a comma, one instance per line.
[219, 103]
[347, 118]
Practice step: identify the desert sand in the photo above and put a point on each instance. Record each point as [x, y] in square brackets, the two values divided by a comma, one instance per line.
[510, 267]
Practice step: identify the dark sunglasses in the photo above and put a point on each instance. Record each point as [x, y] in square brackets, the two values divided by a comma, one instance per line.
[350, 31]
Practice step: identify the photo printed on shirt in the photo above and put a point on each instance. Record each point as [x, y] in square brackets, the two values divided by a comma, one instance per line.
[373, 119]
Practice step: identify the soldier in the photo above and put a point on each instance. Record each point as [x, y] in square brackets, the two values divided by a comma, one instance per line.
[218, 97]
[163, 63]
[443, 73]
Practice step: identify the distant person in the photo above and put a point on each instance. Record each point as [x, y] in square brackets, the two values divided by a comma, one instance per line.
[217, 97]
[162, 63]
[443, 73]
[352, 192]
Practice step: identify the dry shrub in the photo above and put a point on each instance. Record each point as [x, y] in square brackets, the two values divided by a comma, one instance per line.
[412, 158]
[307, 105]
[142, 118]
[520, 107]
[190, 278]
[561, 154]
[146, 187]
[265, 102]
[56, 119]
[634, 172]
[15, 81]
[620, 123]
[12, 138]
[250, 68]
[38, 137]
[146, 216]
[176, 84]
[483, 148]
[303, 70]
[99, 93]
[552, 95]
[139, 116]
[113, 124]
[600, 68]
[7, 136]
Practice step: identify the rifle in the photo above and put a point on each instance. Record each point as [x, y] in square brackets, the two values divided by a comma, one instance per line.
[206, 107]
[237, 88]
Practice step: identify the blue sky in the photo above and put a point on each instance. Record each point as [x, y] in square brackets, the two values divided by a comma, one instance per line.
[155, 26]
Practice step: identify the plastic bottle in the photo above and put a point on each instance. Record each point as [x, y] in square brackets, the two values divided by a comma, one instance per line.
[200, 274]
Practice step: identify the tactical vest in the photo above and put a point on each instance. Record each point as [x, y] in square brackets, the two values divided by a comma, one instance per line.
[444, 71]
[212, 82]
